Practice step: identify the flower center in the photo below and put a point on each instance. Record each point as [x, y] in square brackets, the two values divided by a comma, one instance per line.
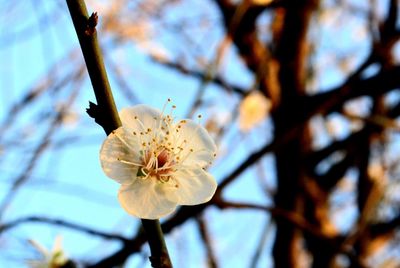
[157, 164]
[163, 158]
[163, 148]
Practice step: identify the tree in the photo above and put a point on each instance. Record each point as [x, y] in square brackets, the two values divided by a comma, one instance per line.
[301, 97]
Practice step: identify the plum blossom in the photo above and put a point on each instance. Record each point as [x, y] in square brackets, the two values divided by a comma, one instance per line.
[49, 259]
[253, 109]
[159, 163]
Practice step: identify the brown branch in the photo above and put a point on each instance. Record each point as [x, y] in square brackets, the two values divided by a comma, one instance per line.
[201, 223]
[40, 149]
[62, 223]
[333, 100]
[105, 112]
[32, 94]
[260, 248]
[203, 76]
[186, 213]
[291, 217]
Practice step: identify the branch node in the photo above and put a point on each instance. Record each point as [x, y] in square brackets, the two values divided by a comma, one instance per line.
[161, 261]
[95, 111]
[91, 24]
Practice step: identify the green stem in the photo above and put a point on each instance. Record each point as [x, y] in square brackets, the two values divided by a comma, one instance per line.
[159, 253]
[105, 112]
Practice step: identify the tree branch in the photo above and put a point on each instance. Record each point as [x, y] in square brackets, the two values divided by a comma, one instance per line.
[105, 112]
[62, 223]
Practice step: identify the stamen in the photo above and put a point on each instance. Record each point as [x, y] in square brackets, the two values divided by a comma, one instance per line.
[165, 106]
[123, 141]
[140, 123]
[129, 162]
[145, 173]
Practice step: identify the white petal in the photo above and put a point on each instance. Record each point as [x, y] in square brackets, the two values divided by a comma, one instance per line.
[147, 199]
[147, 117]
[253, 110]
[199, 141]
[41, 249]
[120, 145]
[195, 186]
[37, 264]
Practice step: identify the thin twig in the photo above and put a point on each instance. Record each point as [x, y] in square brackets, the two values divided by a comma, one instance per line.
[39, 151]
[62, 223]
[212, 262]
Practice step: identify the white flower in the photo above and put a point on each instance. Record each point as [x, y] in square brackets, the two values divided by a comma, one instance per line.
[158, 162]
[253, 109]
[54, 259]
